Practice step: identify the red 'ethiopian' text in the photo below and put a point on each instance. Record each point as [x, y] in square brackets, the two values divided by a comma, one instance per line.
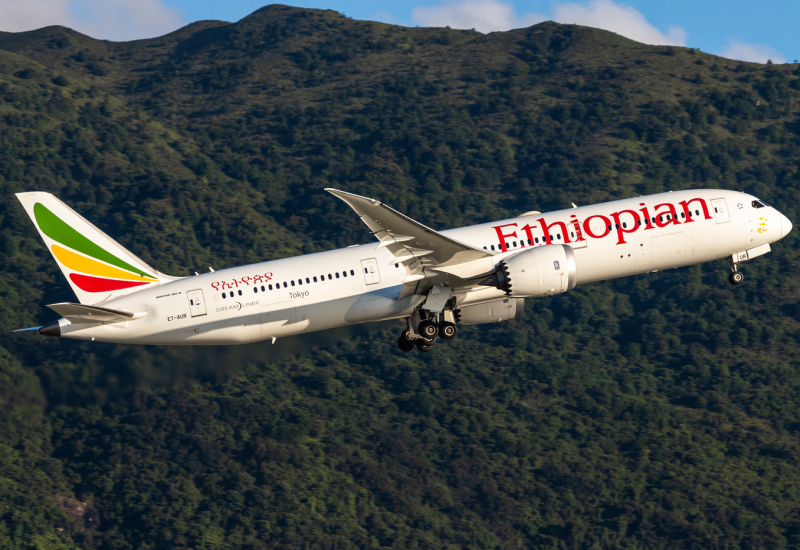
[623, 222]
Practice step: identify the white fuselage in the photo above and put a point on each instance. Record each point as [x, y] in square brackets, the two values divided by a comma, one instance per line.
[332, 289]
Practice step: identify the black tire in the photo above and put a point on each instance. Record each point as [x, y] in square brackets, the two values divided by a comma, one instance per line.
[736, 278]
[405, 345]
[423, 346]
[427, 329]
[448, 331]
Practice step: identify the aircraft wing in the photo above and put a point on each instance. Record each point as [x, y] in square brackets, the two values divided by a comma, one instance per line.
[410, 241]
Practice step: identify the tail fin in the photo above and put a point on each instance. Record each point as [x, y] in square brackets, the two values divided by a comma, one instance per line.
[96, 267]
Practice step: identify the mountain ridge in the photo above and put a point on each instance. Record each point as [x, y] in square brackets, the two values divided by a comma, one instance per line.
[651, 411]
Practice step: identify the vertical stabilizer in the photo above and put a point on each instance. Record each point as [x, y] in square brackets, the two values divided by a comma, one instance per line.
[95, 265]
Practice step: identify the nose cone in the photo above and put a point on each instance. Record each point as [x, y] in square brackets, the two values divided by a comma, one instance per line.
[786, 226]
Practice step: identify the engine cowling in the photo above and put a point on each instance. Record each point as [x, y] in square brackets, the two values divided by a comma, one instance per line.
[491, 312]
[540, 271]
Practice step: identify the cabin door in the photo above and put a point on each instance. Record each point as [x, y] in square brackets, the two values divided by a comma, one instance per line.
[197, 305]
[721, 213]
[371, 274]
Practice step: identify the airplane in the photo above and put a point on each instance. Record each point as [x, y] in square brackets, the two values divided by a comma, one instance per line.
[434, 280]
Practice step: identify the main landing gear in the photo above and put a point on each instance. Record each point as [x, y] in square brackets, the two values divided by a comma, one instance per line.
[427, 331]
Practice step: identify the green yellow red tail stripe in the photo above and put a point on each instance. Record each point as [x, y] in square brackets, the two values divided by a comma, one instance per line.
[55, 228]
[93, 276]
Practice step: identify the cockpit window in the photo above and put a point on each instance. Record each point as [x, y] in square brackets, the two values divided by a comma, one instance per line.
[758, 204]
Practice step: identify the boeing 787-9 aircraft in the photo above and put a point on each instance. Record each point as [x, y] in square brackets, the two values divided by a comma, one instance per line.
[434, 280]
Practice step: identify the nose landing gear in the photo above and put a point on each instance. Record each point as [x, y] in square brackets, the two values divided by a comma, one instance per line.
[736, 277]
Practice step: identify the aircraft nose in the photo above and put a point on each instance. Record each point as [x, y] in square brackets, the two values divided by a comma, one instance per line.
[786, 226]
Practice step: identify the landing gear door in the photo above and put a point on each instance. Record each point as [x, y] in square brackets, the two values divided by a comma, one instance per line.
[197, 305]
[721, 213]
[371, 274]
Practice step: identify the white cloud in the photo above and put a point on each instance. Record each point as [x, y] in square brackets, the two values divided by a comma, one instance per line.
[618, 18]
[106, 19]
[757, 53]
[482, 15]
[492, 15]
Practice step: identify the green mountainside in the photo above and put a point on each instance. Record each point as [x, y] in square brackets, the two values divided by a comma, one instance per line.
[659, 411]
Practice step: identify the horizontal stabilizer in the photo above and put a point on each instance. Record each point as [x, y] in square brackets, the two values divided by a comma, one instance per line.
[81, 314]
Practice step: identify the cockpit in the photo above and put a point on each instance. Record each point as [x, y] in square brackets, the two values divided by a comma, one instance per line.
[759, 204]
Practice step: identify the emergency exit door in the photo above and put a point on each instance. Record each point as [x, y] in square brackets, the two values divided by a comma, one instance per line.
[371, 274]
[197, 305]
[721, 213]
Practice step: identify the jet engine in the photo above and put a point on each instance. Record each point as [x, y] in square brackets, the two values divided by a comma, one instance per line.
[490, 312]
[540, 271]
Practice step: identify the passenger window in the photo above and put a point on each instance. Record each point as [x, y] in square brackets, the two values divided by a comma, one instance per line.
[262, 289]
[683, 215]
[270, 287]
[352, 272]
[609, 228]
[285, 285]
[398, 265]
[315, 279]
[483, 248]
[329, 277]
[514, 244]
[558, 236]
[529, 241]
[337, 274]
[492, 247]
[292, 283]
[299, 281]
[537, 240]
[661, 218]
[255, 289]
[240, 293]
[344, 273]
[223, 295]
[624, 226]
[697, 212]
[638, 222]
[307, 281]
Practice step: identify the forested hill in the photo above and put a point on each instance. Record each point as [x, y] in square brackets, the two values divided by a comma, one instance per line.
[660, 411]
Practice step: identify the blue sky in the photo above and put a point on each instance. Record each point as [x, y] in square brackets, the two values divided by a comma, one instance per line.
[753, 31]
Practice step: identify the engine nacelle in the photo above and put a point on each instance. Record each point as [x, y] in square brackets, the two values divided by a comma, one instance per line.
[491, 312]
[540, 271]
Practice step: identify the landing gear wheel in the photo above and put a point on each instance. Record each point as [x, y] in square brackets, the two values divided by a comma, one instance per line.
[448, 331]
[424, 345]
[427, 329]
[736, 278]
[405, 343]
